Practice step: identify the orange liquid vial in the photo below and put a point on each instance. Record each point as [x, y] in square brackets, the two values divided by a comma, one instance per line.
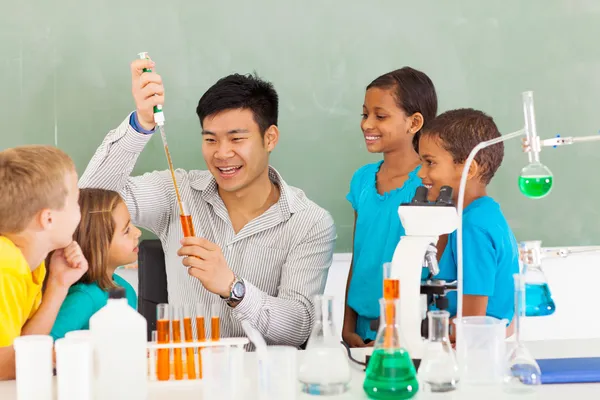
[201, 338]
[186, 224]
[163, 370]
[189, 352]
[177, 352]
[215, 332]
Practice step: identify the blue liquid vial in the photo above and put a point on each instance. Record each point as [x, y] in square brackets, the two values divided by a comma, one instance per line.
[538, 300]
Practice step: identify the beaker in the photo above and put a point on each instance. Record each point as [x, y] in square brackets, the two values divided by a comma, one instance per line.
[223, 373]
[280, 375]
[390, 373]
[438, 371]
[523, 372]
[481, 350]
[325, 369]
[537, 292]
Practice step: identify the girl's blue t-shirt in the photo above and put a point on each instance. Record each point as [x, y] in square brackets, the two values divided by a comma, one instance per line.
[83, 301]
[377, 233]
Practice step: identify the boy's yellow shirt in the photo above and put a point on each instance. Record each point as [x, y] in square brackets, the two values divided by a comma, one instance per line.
[20, 291]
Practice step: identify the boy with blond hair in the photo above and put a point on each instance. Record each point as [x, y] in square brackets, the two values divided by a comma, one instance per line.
[39, 211]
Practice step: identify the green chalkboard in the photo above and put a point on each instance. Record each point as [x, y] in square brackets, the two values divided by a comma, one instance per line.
[65, 80]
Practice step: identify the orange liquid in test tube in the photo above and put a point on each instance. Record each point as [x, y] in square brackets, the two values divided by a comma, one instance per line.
[177, 352]
[163, 370]
[201, 335]
[215, 331]
[187, 226]
[189, 352]
[391, 291]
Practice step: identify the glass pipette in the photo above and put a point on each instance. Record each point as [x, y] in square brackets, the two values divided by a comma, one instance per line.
[159, 118]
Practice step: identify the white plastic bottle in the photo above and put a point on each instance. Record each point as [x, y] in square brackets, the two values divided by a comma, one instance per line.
[120, 344]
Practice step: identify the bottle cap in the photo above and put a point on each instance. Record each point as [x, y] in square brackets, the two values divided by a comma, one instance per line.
[116, 293]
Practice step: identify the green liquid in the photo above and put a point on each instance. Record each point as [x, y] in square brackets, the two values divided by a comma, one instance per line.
[535, 187]
[391, 375]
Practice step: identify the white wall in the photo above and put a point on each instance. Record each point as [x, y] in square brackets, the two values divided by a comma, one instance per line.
[574, 282]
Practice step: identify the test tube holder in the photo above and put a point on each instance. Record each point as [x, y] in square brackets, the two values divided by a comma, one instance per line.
[153, 346]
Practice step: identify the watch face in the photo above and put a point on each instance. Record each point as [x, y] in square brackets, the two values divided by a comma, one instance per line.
[239, 290]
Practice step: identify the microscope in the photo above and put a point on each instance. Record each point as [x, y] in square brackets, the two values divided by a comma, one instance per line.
[423, 222]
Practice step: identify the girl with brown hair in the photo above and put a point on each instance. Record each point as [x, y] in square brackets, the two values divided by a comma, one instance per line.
[108, 240]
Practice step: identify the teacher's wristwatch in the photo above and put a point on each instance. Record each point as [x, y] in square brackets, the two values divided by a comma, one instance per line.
[236, 292]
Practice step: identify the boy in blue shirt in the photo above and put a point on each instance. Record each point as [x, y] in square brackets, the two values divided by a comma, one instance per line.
[490, 252]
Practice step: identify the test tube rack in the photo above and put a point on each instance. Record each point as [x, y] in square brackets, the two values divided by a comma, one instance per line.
[153, 347]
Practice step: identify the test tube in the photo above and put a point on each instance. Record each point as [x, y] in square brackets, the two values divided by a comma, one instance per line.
[153, 364]
[391, 291]
[201, 334]
[189, 337]
[176, 318]
[391, 287]
[215, 332]
[163, 369]
[186, 221]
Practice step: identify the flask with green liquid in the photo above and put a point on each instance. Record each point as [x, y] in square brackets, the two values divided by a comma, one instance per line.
[535, 181]
[391, 373]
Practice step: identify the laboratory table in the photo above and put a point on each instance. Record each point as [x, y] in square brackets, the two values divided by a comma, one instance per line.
[539, 349]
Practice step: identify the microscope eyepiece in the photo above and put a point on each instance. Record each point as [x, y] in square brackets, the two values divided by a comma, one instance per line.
[445, 196]
[420, 195]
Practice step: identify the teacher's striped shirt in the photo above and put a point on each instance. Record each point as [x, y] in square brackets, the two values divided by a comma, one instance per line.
[283, 255]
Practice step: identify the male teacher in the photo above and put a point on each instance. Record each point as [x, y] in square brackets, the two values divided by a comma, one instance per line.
[262, 249]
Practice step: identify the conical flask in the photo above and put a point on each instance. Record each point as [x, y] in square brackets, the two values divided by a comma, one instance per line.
[439, 370]
[391, 373]
[523, 372]
[537, 292]
[325, 369]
